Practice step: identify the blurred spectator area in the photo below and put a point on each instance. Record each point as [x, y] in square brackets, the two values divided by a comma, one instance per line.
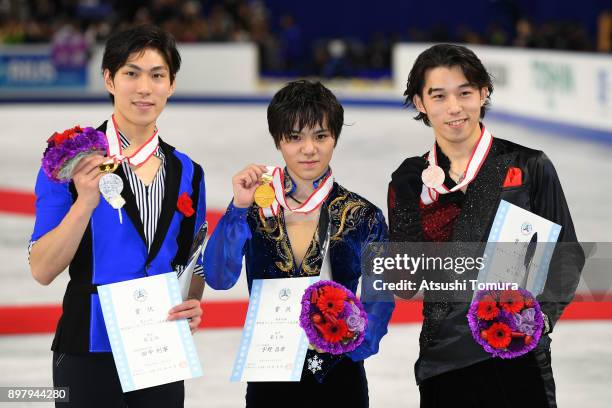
[323, 38]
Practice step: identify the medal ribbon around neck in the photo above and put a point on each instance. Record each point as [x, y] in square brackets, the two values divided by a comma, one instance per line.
[434, 186]
[314, 201]
[116, 152]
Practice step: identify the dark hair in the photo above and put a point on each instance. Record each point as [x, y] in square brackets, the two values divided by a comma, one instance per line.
[447, 55]
[307, 104]
[120, 46]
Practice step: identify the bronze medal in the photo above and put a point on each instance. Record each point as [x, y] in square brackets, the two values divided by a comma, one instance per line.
[433, 177]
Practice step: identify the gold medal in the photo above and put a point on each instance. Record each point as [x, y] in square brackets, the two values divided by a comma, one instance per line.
[264, 195]
[108, 167]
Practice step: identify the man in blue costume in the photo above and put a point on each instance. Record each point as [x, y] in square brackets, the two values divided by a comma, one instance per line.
[74, 228]
[288, 239]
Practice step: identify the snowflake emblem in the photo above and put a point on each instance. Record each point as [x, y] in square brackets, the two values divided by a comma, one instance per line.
[315, 364]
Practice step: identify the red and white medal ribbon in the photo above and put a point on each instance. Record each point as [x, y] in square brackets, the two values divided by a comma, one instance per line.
[312, 203]
[116, 152]
[111, 185]
[433, 176]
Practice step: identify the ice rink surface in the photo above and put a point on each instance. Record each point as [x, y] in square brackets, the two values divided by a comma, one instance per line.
[582, 367]
[373, 144]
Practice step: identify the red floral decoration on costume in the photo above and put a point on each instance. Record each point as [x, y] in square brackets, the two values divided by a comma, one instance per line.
[333, 332]
[331, 300]
[511, 301]
[499, 335]
[514, 177]
[487, 308]
[185, 205]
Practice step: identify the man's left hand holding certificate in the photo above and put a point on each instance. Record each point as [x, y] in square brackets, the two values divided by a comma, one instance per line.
[148, 349]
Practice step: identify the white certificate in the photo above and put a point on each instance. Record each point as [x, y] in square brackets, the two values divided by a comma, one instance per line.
[273, 345]
[519, 248]
[148, 350]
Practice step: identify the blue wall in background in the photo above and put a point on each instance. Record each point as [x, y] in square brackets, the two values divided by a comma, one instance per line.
[361, 18]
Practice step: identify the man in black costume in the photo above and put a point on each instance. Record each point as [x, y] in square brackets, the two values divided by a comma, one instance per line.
[451, 89]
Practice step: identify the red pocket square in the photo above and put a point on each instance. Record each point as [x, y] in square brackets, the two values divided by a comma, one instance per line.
[514, 177]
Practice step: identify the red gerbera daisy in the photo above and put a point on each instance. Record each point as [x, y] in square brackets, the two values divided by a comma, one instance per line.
[511, 301]
[331, 300]
[499, 335]
[334, 332]
[487, 308]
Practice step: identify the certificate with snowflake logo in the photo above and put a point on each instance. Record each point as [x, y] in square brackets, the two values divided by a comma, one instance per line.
[148, 350]
[519, 248]
[273, 345]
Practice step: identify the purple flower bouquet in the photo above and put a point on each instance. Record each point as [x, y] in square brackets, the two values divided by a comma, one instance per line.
[506, 323]
[64, 150]
[333, 317]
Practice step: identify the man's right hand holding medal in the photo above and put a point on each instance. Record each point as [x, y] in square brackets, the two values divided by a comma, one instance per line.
[245, 182]
[54, 251]
[86, 176]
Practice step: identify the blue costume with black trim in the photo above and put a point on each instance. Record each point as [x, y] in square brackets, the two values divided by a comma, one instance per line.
[112, 252]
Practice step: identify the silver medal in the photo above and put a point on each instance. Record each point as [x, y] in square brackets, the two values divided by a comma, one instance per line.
[111, 187]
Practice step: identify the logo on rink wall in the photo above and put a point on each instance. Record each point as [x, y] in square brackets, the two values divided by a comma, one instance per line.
[553, 79]
[29, 70]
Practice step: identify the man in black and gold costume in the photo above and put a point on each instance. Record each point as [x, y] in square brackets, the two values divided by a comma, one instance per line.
[288, 237]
